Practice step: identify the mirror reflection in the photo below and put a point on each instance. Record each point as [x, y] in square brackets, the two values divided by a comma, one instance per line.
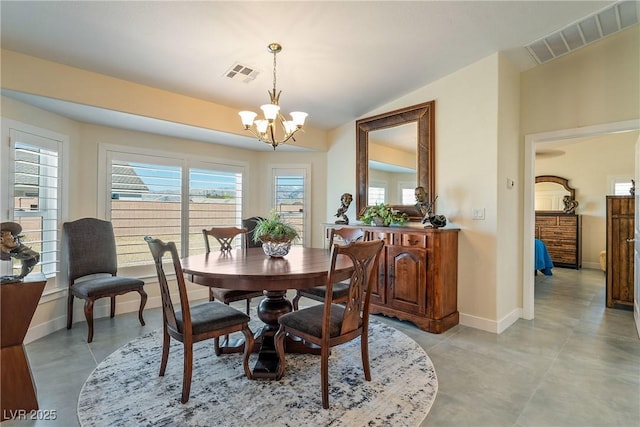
[394, 155]
[393, 164]
[550, 192]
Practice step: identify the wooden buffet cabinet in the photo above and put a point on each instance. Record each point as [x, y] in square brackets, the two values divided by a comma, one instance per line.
[620, 251]
[562, 235]
[418, 275]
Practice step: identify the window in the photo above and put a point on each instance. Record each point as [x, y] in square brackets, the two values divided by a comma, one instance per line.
[215, 199]
[145, 200]
[34, 192]
[290, 195]
[622, 188]
[376, 194]
[169, 198]
[620, 185]
[408, 196]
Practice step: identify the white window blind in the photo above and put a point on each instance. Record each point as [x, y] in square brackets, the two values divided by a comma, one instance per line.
[36, 191]
[290, 195]
[171, 199]
[145, 200]
[376, 195]
[215, 200]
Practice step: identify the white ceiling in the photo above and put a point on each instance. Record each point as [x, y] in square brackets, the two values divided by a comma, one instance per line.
[339, 61]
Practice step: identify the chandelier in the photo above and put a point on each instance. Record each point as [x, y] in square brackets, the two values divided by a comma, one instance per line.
[274, 129]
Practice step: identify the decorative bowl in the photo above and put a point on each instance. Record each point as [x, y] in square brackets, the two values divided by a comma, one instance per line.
[276, 249]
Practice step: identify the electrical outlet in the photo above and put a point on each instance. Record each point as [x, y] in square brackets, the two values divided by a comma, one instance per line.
[477, 213]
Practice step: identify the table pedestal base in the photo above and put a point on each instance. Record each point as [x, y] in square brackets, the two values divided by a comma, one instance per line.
[270, 309]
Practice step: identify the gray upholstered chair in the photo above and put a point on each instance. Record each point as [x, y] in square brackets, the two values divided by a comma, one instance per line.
[191, 324]
[225, 237]
[90, 258]
[250, 225]
[345, 236]
[328, 325]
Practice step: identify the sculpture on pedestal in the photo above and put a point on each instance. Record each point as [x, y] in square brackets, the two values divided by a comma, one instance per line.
[11, 247]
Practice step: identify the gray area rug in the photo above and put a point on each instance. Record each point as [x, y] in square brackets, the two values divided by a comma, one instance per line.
[125, 389]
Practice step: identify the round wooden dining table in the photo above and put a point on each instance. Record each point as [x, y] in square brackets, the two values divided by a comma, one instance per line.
[252, 270]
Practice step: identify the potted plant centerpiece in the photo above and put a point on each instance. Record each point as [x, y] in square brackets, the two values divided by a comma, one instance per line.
[383, 215]
[275, 234]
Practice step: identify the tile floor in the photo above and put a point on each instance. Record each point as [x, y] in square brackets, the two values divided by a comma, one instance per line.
[576, 364]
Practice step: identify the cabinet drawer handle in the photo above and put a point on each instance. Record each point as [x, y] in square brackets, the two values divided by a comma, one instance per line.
[414, 242]
[631, 240]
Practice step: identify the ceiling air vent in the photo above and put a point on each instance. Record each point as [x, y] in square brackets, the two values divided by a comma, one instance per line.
[242, 73]
[590, 29]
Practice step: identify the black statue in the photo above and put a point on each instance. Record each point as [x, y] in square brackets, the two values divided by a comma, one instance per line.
[345, 201]
[429, 218]
[11, 247]
[569, 205]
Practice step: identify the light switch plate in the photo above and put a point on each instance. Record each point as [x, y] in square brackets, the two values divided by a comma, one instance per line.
[477, 213]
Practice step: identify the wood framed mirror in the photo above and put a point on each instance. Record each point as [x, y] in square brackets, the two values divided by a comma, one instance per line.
[402, 140]
[550, 191]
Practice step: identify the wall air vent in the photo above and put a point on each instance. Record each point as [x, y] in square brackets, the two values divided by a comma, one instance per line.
[586, 31]
[242, 73]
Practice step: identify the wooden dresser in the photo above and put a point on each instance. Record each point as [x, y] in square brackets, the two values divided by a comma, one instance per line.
[562, 235]
[418, 275]
[620, 250]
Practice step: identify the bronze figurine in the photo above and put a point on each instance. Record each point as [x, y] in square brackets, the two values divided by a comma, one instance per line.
[11, 247]
[345, 201]
[426, 208]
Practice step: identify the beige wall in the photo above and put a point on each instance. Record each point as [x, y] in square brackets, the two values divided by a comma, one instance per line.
[596, 84]
[509, 250]
[588, 165]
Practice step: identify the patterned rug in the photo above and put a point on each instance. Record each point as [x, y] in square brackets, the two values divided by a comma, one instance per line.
[125, 389]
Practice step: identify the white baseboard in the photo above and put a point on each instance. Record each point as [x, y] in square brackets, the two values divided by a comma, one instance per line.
[488, 325]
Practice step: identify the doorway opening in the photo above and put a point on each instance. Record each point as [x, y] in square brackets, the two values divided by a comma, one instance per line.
[548, 140]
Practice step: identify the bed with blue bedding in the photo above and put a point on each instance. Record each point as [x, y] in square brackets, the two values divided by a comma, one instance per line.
[543, 261]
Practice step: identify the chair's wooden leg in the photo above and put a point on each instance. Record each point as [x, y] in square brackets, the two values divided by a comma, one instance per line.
[69, 309]
[88, 314]
[364, 348]
[248, 348]
[216, 346]
[166, 340]
[248, 305]
[143, 302]
[278, 340]
[113, 306]
[210, 295]
[295, 300]
[186, 376]
[324, 375]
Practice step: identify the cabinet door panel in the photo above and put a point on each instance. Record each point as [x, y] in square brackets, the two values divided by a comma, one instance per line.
[406, 277]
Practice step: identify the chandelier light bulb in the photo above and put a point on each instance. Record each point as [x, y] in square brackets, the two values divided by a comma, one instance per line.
[270, 111]
[247, 118]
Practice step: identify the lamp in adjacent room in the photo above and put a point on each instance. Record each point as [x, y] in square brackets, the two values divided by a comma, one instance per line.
[273, 129]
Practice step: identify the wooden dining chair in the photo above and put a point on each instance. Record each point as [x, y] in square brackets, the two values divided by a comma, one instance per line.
[192, 324]
[225, 237]
[91, 263]
[328, 325]
[340, 290]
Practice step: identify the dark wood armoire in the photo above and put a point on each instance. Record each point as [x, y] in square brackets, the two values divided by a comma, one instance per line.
[620, 251]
